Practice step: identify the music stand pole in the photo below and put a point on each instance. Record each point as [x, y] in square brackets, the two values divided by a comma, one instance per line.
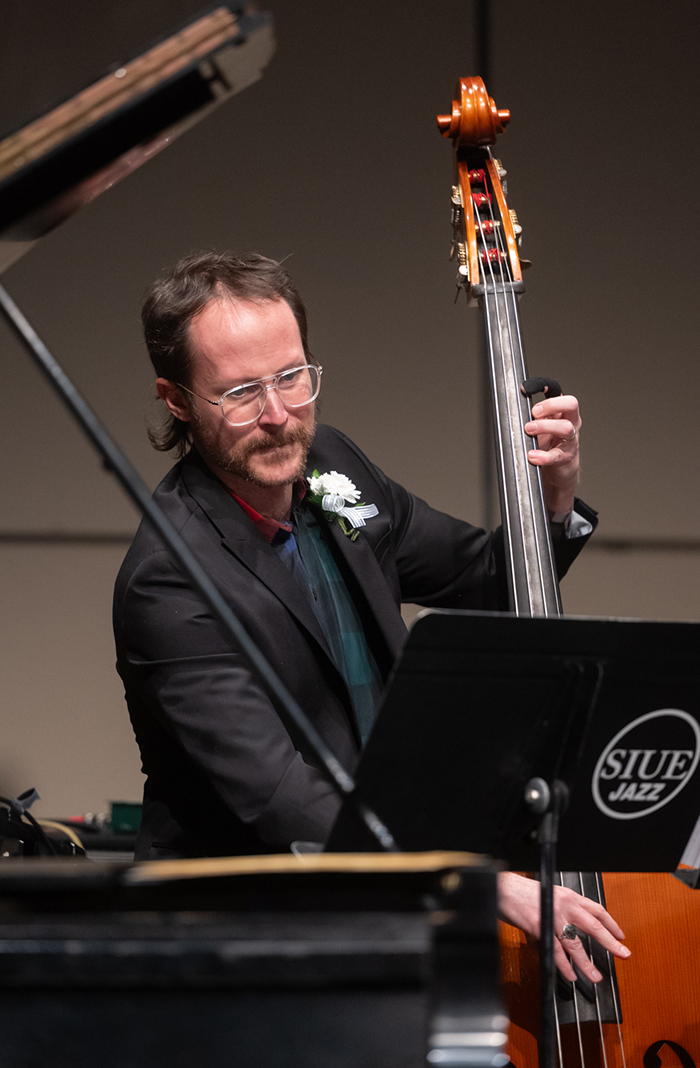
[548, 804]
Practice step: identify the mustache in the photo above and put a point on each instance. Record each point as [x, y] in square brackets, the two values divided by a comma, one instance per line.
[268, 442]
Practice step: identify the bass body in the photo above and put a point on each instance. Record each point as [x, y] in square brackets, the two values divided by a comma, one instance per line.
[659, 989]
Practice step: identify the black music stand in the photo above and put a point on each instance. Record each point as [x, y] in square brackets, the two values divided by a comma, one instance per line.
[522, 737]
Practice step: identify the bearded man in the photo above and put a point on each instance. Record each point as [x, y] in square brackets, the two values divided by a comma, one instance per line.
[227, 337]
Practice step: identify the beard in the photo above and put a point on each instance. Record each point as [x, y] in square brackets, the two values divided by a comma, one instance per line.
[237, 459]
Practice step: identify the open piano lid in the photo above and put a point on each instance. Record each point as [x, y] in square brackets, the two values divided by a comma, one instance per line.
[61, 161]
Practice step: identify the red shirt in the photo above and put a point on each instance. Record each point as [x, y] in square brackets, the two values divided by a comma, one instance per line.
[269, 527]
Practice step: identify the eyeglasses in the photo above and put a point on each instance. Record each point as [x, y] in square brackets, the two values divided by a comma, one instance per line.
[244, 404]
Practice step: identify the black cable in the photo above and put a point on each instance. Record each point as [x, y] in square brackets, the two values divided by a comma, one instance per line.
[14, 825]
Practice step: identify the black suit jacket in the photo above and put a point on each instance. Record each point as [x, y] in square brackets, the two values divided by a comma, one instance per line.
[224, 775]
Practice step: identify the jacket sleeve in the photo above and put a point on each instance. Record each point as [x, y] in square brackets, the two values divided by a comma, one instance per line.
[193, 701]
[448, 563]
[440, 561]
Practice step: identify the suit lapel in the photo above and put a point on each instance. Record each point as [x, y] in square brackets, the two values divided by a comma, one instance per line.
[330, 452]
[242, 540]
[363, 564]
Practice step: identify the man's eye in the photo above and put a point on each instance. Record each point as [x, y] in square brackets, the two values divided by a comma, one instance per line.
[241, 393]
[290, 378]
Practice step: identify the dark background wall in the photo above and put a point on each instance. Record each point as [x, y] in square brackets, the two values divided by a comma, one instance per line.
[333, 160]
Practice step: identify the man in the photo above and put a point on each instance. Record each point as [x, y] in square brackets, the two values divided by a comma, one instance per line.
[228, 340]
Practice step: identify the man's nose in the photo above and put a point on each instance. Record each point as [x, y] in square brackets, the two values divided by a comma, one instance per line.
[274, 412]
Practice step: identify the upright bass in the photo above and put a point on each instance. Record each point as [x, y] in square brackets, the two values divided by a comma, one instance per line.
[647, 1013]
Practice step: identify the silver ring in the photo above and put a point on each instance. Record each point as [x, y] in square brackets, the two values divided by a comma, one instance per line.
[569, 931]
[572, 437]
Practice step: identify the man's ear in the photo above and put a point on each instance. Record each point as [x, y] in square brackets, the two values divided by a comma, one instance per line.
[175, 398]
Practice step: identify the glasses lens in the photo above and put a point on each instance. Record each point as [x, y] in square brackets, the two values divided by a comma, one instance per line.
[295, 388]
[243, 404]
[299, 386]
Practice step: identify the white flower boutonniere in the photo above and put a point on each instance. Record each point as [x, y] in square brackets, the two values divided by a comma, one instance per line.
[338, 497]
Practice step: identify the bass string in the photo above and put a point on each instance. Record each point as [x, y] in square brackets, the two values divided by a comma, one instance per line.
[504, 299]
[575, 994]
[613, 990]
[558, 1032]
[509, 308]
[502, 314]
[511, 320]
[599, 1016]
[610, 979]
[543, 551]
[507, 518]
[582, 1055]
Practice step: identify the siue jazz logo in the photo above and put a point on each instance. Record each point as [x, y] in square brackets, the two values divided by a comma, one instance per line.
[646, 764]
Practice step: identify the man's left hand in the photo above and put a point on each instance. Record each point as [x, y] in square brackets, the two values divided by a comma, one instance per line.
[556, 424]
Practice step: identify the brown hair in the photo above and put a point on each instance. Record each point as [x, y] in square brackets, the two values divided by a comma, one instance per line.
[173, 301]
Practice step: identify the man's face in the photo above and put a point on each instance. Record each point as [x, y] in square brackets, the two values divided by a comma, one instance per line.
[232, 343]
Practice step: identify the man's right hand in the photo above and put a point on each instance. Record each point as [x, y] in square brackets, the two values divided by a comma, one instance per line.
[519, 904]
